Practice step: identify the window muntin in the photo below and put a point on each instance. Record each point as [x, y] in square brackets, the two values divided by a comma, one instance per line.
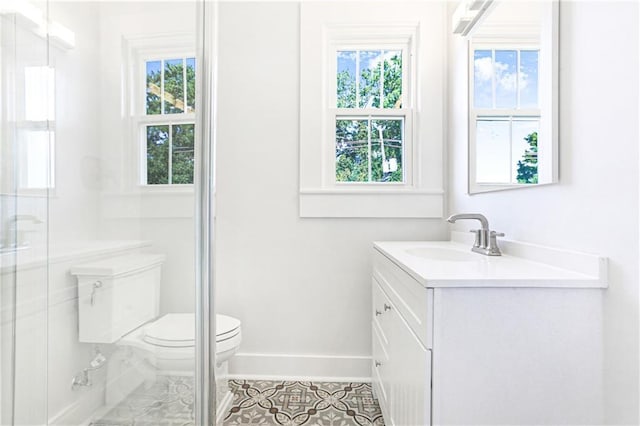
[370, 119]
[505, 113]
[168, 124]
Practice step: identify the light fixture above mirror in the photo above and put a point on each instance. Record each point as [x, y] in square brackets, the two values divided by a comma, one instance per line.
[468, 14]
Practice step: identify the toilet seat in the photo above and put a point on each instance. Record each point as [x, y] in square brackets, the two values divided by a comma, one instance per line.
[226, 327]
[171, 330]
[178, 331]
[168, 343]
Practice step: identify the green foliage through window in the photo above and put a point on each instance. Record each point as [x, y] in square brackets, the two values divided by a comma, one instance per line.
[528, 166]
[364, 77]
[369, 148]
[170, 90]
[172, 98]
[170, 142]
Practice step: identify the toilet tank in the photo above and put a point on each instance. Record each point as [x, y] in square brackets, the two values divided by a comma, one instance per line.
[117, 295]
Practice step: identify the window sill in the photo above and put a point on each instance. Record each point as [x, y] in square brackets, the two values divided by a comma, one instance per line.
[371, 203]
[165, 189]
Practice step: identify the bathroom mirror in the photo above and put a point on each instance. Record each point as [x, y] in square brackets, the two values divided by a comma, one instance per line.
[513, 92]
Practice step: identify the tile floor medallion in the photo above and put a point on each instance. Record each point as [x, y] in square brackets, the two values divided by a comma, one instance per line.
[262, 402]
[169, 402]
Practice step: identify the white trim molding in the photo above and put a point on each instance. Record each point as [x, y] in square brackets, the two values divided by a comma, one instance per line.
[296, 367]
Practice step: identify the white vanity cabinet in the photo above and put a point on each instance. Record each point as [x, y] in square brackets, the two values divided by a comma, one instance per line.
[491, 351]
[401, 362]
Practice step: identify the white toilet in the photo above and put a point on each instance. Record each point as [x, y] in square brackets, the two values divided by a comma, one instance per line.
[118, 303]
[170, 341]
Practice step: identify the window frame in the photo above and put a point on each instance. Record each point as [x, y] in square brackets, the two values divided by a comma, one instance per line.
[47, 125]
[499, 114]
[138, 50]
[423, 24]
[145, 120]
[343, 42]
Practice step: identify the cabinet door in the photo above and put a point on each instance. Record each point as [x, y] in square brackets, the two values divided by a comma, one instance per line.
[409, 368]
[379, 370]
[401, 369]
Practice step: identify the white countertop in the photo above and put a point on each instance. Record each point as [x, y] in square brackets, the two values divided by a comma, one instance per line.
[459, 267]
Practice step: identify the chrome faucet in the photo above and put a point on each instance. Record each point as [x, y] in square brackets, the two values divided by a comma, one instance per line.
[11, 226]
[486, 241]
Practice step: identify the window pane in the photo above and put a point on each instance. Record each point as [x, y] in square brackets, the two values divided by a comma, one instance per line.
[528, 79]
[525, 151]
[370, 78]
[493, 153]
[191, 84]
[352, 151]
[157, 155]
[36, 159]
[505, 73]
[482, 79]
[182, 155]
[386, 150]
[173, 86]
[153, 87]
[392, 85]
[346, 79]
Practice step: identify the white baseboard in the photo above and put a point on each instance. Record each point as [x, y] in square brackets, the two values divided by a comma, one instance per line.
[300, 367]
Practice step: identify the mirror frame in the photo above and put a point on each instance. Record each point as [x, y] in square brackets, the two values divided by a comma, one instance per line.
[548, 147]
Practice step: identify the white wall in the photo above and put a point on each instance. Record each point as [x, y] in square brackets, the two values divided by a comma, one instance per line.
[594, 208]
[300, 286]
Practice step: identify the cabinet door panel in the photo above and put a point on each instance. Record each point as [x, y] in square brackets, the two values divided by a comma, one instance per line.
[409, 367]
[379, 370]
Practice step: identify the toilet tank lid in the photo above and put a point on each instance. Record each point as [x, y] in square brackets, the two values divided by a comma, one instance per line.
[119, 265]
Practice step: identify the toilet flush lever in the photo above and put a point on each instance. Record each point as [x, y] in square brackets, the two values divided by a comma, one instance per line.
[96, 286]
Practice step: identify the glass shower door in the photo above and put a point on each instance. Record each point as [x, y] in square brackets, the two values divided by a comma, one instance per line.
[99, 201]
[24, 224]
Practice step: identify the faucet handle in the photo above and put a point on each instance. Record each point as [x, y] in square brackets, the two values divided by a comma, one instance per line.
[478, 236]
[493, 248]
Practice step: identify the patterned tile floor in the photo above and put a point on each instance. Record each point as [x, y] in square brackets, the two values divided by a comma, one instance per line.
[169, 402]
[302, 403]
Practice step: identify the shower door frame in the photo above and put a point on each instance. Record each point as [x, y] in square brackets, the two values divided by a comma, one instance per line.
[205, 381]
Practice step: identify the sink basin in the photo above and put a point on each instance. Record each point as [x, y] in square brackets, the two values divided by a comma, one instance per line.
[443, 254]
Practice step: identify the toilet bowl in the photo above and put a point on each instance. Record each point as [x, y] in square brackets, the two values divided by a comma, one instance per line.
[168, 343]
[166, 346]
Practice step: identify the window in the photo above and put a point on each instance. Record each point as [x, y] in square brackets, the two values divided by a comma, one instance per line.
[369, 115]
[505, 112]
[36, 132]
[168, 124]
[372, 109]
